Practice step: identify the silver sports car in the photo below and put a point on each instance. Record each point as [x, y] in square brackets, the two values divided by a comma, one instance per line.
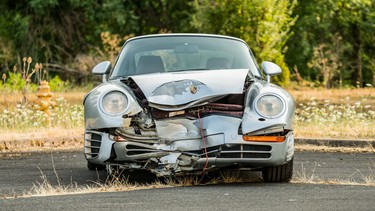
[178, 104]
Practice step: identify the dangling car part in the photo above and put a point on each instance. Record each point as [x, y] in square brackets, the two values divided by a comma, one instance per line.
[178, 104]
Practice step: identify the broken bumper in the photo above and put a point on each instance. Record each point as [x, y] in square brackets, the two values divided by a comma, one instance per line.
[222, 146]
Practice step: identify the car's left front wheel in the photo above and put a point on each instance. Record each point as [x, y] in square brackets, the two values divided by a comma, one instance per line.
[283, 173]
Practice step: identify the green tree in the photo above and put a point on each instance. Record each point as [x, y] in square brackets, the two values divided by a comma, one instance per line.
[56, 31]
[51, 30]
[263, 24]
[324, 23]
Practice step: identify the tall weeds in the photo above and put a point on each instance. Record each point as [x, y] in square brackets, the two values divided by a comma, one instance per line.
[344, 120]
[62, 115]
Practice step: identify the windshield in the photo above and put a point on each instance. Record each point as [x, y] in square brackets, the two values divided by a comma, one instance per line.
[183, 53]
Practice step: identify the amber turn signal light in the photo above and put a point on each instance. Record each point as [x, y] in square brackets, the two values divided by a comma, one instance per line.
[264, 138]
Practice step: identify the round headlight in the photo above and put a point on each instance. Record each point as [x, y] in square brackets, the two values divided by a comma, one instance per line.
[114, 103]
[269, 106]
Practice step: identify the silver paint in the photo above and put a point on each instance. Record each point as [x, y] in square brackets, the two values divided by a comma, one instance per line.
[176, 144]
[173, 89]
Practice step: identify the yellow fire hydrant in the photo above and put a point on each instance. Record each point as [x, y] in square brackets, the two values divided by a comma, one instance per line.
[44, 95]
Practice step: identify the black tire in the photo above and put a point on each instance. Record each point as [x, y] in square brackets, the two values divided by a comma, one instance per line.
[95, 167]
[283, 173]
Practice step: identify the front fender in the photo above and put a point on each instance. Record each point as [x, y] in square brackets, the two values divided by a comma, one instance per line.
[252, 122]
[95, 118]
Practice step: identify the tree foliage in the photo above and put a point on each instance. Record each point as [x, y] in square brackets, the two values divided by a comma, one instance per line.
[49, 30]
[328, 42]
[58, 30]
[346, 30]
[263, 24]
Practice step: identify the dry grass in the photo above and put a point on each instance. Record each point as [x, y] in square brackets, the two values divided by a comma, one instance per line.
[339, 130]
[305, 177]
[335, 96]
[46, 189]
[225, 176]
[189, 180]
[7, 100]
[112, 184]
[44, 133]
[73, 97]
[231, 177]
[333, 182]
[335, 113]
[118, 184]
[41, 140]
[315, 148]
[360, 128]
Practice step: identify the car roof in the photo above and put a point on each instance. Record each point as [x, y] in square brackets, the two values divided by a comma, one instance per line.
[186, 34]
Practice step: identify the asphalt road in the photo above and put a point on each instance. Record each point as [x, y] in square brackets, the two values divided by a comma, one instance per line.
[19, 173]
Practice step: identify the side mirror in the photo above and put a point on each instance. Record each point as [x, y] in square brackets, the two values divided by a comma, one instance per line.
[270, 69]
[103, 69]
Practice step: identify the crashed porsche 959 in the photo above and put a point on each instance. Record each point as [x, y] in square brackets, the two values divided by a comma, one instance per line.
[178, 104]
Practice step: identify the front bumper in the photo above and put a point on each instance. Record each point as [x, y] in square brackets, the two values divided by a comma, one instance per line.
[181, 148]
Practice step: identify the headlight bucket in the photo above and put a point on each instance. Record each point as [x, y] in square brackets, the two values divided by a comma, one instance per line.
[114, 103]
[269, 105]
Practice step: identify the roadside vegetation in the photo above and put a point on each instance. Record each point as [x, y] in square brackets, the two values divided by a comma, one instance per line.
[305, 177]
[328, 69]
[337, 114]
[329, 43]
[320, 113]
[346, 113]
[120, 183]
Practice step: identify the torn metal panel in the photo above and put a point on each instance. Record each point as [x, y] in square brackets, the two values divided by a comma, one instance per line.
[177, 129]
[224, 127]
[184, 134]
[185, 87]
[234, 110]
[175, 163]
[270, 130]
[131, 151]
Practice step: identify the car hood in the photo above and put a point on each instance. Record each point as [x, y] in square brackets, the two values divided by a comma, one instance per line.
[181, 88]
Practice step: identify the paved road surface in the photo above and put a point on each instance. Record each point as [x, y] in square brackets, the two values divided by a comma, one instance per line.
[18, 174]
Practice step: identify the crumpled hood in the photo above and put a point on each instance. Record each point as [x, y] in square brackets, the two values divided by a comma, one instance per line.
[179, 88]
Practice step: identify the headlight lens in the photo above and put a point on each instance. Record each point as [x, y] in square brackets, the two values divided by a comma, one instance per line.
[114, 103]
[269, 106]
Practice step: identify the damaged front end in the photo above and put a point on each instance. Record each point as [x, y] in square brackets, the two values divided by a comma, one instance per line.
[178, 124]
